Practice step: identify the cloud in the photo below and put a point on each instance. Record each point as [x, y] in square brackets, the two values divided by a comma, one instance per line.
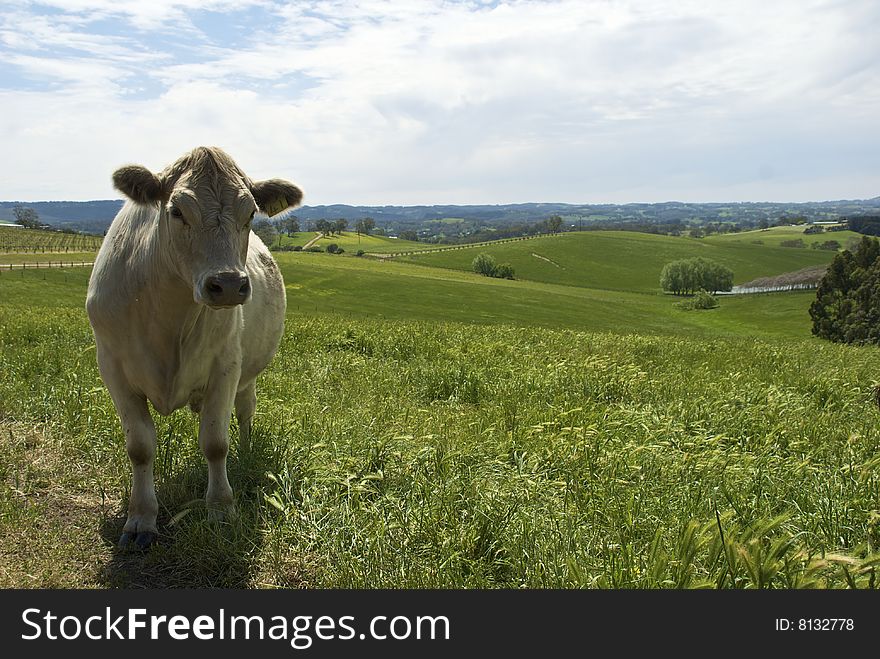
[462, 102]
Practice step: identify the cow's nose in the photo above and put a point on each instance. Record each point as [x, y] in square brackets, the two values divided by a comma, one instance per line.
[226, 288]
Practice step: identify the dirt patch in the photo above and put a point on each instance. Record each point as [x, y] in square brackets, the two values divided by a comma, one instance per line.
[50, 528]
[550, 261]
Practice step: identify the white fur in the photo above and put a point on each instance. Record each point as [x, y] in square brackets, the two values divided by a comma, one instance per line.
[157, 342]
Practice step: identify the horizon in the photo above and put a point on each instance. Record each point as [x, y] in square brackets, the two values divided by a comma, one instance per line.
[450, 103]
[123, 199]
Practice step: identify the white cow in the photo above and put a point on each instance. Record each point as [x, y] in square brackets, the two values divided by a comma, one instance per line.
[187, 306]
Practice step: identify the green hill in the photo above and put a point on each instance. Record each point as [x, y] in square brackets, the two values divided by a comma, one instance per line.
[322, 284]
[620, 260]
[775, 236]
[351, 242]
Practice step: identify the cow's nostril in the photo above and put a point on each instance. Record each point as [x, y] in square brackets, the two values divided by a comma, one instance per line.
[214, 288]
[245, 288]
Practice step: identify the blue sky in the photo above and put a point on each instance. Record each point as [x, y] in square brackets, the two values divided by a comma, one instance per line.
[430, 102]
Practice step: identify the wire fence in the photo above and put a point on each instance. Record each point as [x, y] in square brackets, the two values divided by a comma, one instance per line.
[452, 248]
[44, 264]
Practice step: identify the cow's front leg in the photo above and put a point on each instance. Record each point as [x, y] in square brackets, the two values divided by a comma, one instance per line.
[140, 443]
[214, 441]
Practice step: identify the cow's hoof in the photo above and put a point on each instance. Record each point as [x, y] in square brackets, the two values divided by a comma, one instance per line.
[222, 512]
[142, 540]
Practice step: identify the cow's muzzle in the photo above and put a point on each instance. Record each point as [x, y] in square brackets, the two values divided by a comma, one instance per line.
[226, 289]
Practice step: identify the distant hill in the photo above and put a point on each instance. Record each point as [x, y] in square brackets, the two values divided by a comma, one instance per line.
[623, 260]
[95, 216]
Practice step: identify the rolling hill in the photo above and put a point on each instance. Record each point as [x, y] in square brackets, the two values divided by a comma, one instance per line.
[624, 261]
[350, 241]
[599, 281]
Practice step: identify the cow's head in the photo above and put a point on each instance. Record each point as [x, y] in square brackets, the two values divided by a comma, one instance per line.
[206, 204]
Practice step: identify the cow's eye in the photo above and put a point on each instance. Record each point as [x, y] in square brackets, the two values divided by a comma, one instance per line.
[176, 212]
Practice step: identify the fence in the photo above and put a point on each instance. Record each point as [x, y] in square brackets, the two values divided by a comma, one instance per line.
[452, 248]
[47, 264]
[741, 290]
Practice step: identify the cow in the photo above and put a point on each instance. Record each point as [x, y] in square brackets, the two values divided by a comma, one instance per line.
[187, 307]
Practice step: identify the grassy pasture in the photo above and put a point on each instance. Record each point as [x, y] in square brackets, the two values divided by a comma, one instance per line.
[46, 257]
[774, 236]
[427, 427]
[321, 284]
[621, 260]
[408, 454]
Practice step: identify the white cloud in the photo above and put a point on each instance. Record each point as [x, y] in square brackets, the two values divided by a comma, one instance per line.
[437, 102]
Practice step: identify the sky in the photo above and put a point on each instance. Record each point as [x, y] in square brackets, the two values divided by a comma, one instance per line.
[440, 102]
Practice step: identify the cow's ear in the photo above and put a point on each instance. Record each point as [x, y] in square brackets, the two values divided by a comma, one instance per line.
[275, 195]
[138, 184]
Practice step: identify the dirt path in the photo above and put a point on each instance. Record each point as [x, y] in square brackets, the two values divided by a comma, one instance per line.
[544, 258]
[313, 240]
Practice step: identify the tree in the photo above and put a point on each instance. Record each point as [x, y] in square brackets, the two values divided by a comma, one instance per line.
[868, 225]
[365, 225]
[26, 217]
[324, 227]
[266, 231]
[690, 275]
[554, 223]
[484, 264]
[409, 235]
[504, 271]
[290, 225]
[847, 304]
[340, 225]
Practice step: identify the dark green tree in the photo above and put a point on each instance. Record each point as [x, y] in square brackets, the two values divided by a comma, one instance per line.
[847, 304]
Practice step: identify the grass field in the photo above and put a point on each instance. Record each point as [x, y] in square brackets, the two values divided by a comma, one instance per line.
[620, 260]
[46, 257]
[427, 427]
[775, 236]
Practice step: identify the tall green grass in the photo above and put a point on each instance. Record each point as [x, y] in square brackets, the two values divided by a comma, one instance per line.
[412, 454]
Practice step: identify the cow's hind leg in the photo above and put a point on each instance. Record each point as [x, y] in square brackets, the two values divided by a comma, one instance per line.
[245, 407]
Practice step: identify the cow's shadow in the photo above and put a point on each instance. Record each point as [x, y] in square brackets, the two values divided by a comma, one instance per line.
[194, 550]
